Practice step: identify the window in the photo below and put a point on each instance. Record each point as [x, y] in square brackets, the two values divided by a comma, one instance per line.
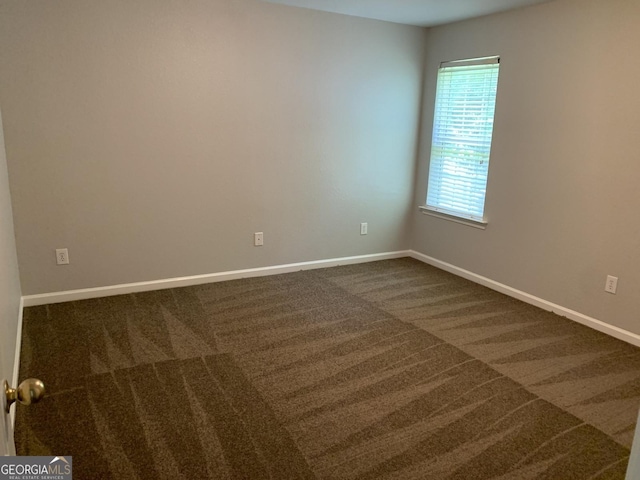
[461, 143]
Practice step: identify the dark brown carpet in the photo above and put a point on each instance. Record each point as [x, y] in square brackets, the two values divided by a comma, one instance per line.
[391, 369]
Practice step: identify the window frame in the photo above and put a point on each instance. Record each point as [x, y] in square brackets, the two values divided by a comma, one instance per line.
[467, 217]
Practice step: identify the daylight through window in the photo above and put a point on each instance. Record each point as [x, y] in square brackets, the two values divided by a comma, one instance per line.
[462, 131]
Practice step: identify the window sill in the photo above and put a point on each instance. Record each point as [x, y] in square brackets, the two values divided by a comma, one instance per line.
[463, 221]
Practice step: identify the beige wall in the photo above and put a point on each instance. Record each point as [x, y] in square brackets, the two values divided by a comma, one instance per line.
[152, 138]
[562, 198]
[9, 277]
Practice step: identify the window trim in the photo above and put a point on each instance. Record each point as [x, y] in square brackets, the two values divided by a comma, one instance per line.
[438, 213]
[470, 62]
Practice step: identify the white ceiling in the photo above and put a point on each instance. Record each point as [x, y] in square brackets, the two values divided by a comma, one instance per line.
[425, 13]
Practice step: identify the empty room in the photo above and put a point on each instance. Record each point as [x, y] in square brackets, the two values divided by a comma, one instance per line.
[356, 239]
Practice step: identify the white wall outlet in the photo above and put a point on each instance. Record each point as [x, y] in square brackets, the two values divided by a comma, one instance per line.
[364, 228]
[62, 256]
[258, 239]
[612, 284]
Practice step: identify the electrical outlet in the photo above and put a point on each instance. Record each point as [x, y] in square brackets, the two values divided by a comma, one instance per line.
[364, 228]
[258, 239]
[62, 256]
[612, 284]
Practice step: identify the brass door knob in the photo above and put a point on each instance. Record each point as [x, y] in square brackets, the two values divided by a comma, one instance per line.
[28, 392]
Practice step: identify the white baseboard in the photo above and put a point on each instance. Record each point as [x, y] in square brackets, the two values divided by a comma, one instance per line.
[16, 361]
[85, 293]
[71, 295]
[599, 325]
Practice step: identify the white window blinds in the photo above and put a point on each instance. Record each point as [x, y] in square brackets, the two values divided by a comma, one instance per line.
[462, 131]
